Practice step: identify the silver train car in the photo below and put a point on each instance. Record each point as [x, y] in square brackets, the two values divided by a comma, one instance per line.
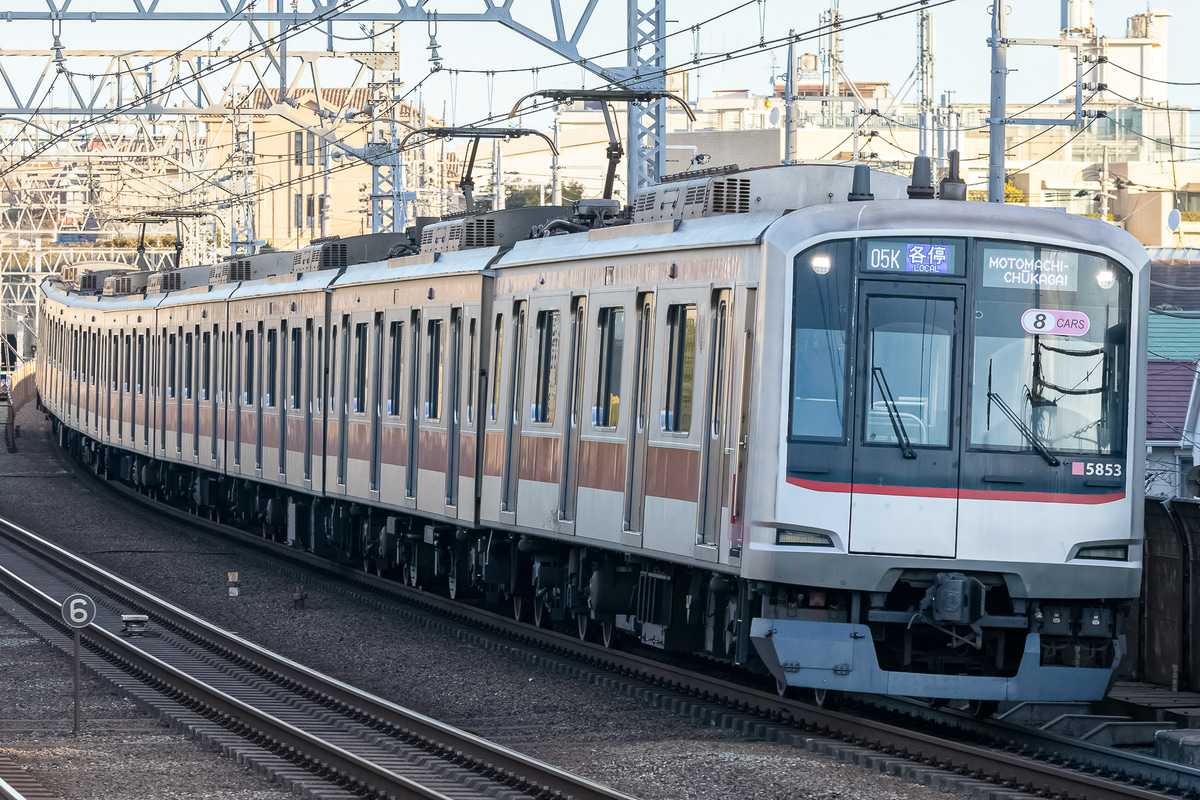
[861, 441]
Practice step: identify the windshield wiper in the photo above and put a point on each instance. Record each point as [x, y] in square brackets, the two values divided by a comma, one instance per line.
[1028, 433]
[893, 413]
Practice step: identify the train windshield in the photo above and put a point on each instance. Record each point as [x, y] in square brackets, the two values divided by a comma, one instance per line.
[1051, 354]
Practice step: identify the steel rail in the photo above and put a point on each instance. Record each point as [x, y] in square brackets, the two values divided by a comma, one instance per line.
[493, 760]
[995, 765]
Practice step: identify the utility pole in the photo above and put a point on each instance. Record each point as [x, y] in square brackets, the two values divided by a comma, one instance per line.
[555, 190]
[1104, 185]
[999, 105]
[925, 78]
[790, 147]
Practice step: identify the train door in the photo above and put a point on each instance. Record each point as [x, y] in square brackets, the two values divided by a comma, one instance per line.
[454, 394]
[309, 362]
[266, 347]
[414, 406]
[737, 524]
[512, 435]
[716, 423]
[569, 490]
[906, 452]
[375, 407]
[639, 429]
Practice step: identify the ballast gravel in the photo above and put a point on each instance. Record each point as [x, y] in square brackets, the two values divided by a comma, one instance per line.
[583, 728]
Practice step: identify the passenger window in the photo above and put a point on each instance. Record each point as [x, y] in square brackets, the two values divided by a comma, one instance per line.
[606, 412]
[272, 366]
[396, 342]
[498, 350]
[297, 366]
[360, 367]
[545, 386]
[681, 368]
[433, 398]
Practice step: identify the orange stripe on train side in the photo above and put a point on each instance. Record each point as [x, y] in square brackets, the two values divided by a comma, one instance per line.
[964, 494]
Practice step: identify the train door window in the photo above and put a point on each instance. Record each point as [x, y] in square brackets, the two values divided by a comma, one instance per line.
[128, 373]
[114, 361]
[206, 366]
[607, 410]
[171, 364]
[820, 318]
[74, 354]
[360, 368]
[83, 361]
[471, 372]
[332, 373]
[395, 375]
[718, 367]
[297, 367]
[681, 368]
[433, 386]
[187, 366]
[546, 378]
[248, 396]
[141, 363]
[498, 337]
[272, 365]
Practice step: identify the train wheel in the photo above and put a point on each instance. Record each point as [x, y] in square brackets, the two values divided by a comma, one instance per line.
[411, 572]
[452, 584]
[539, 613]
[518, 607]
[607, 631]
[583, 625]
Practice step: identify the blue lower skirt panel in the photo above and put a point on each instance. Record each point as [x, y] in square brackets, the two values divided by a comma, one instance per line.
[841, 656]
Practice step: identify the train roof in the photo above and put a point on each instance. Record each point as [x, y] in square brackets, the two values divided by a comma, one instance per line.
[956, 218]
[646, 237]
[423, 266]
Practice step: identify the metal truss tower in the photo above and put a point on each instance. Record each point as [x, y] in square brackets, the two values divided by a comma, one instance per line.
[135, 132]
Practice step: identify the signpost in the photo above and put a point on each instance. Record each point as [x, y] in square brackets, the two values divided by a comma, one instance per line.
[78, 611]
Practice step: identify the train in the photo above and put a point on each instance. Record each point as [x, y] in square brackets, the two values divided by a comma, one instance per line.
[829, 423]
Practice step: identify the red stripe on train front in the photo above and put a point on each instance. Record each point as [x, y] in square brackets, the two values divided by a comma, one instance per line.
[966, 494]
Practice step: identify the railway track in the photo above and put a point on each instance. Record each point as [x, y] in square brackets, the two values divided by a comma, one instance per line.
[1018, 760]
[304, 727]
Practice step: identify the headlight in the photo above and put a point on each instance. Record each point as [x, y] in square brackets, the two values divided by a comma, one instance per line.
[1106, 552]
[806, 538]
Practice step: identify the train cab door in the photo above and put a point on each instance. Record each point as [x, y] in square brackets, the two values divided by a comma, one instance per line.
[904, 497]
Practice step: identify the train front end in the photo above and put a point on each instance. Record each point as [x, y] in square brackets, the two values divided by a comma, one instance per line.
[953, 509]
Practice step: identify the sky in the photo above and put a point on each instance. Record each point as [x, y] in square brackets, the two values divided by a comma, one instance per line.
[880, 51]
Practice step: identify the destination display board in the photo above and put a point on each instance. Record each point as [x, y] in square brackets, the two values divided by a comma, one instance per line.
[917, 256]
[1026, 267]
